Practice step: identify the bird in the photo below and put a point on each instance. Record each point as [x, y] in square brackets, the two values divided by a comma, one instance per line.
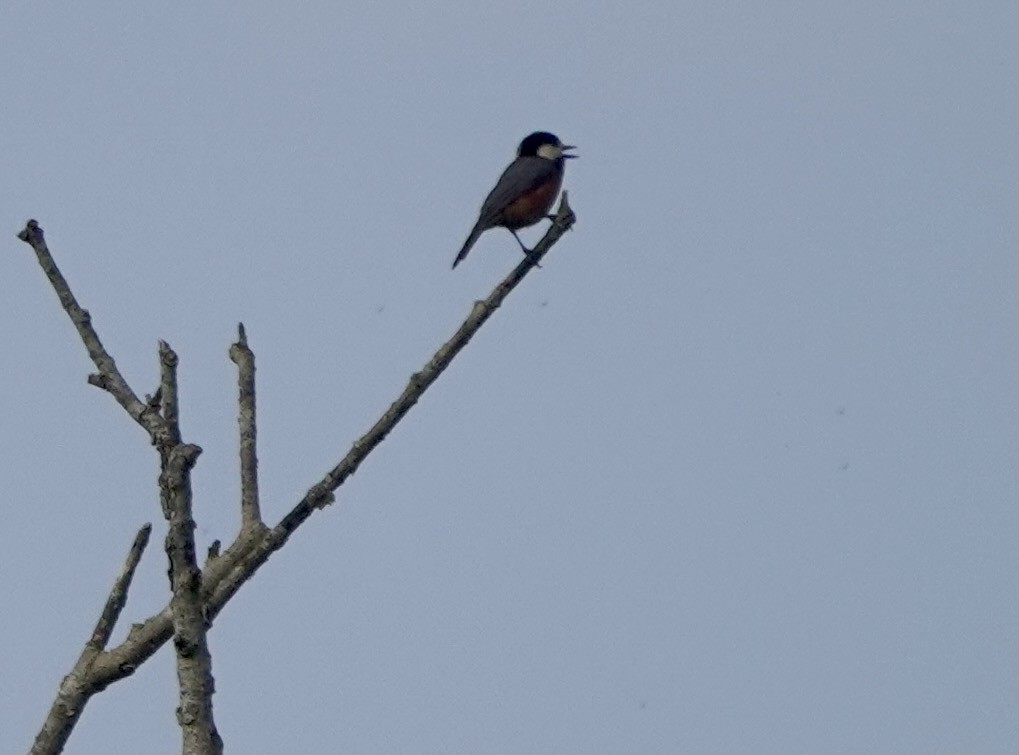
[525, 191]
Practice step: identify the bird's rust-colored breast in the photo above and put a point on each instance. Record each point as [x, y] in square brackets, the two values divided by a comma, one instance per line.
[529, 208]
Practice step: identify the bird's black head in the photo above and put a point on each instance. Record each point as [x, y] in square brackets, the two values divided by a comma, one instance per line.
[543, 144]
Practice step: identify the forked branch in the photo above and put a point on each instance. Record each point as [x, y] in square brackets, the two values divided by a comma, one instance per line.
[79, 685]
[224, 573]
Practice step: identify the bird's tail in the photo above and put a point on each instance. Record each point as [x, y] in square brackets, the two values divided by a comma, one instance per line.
[475, 232]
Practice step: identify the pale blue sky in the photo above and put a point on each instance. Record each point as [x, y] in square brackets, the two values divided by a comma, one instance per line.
[734, 472]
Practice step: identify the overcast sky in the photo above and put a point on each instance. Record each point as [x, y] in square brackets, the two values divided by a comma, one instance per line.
[735, 471]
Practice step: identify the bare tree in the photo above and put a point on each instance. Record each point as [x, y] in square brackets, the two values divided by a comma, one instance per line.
[198, 594]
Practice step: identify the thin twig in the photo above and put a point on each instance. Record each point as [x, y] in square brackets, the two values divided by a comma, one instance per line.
[109, 377]
[118, 595]
[244, 358]
[78, 686]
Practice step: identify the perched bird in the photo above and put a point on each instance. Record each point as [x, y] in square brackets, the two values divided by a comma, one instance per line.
[525, 190]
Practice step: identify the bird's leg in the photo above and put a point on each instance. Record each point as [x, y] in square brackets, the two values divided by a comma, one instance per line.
[527, 252]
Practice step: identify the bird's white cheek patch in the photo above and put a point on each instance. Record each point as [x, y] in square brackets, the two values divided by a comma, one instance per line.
[550, 151]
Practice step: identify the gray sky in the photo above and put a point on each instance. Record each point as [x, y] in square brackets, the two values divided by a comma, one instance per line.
[735, 471]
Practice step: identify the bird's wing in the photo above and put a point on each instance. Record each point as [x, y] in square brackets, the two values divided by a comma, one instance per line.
[522, 175]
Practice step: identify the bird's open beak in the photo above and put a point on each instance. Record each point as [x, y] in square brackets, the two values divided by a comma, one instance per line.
[566, 147]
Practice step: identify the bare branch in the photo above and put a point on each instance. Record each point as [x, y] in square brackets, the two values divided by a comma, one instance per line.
[167, 392]
[109, 377]
[320, 494]
[141, 644]
[225, 573]
[194, 662]
[78, 686]
[246, 563]
[244, 358]
[118, 595]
